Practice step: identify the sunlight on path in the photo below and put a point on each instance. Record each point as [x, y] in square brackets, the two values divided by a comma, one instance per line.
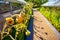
[42, 31]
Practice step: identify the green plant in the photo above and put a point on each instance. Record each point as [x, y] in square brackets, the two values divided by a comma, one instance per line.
[17, 25]
[37, 3]
[52, 14]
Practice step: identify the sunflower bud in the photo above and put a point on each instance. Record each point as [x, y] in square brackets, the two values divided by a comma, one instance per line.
[17, 33]
[27, 33]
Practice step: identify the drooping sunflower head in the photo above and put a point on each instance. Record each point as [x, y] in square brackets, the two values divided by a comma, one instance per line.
[10, 21]
[20, 18]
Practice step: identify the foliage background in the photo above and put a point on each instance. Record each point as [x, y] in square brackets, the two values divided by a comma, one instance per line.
[37, 3]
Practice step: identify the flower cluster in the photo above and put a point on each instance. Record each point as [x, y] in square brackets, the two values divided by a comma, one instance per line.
[18, 22]
[17, 25]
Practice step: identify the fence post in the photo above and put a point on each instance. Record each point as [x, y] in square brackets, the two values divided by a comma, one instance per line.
[11, 10]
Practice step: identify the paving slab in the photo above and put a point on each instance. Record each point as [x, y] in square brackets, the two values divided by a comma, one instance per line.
[43, 29]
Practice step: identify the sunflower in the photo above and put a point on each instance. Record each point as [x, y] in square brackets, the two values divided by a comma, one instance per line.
[10, 21]
[20, 18]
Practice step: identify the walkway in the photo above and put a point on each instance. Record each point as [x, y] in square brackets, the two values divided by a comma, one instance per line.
[42, 30]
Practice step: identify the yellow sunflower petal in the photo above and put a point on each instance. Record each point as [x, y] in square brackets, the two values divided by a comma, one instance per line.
[10, 21]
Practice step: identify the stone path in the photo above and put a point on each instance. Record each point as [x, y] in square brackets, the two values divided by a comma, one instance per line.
[42, 30]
